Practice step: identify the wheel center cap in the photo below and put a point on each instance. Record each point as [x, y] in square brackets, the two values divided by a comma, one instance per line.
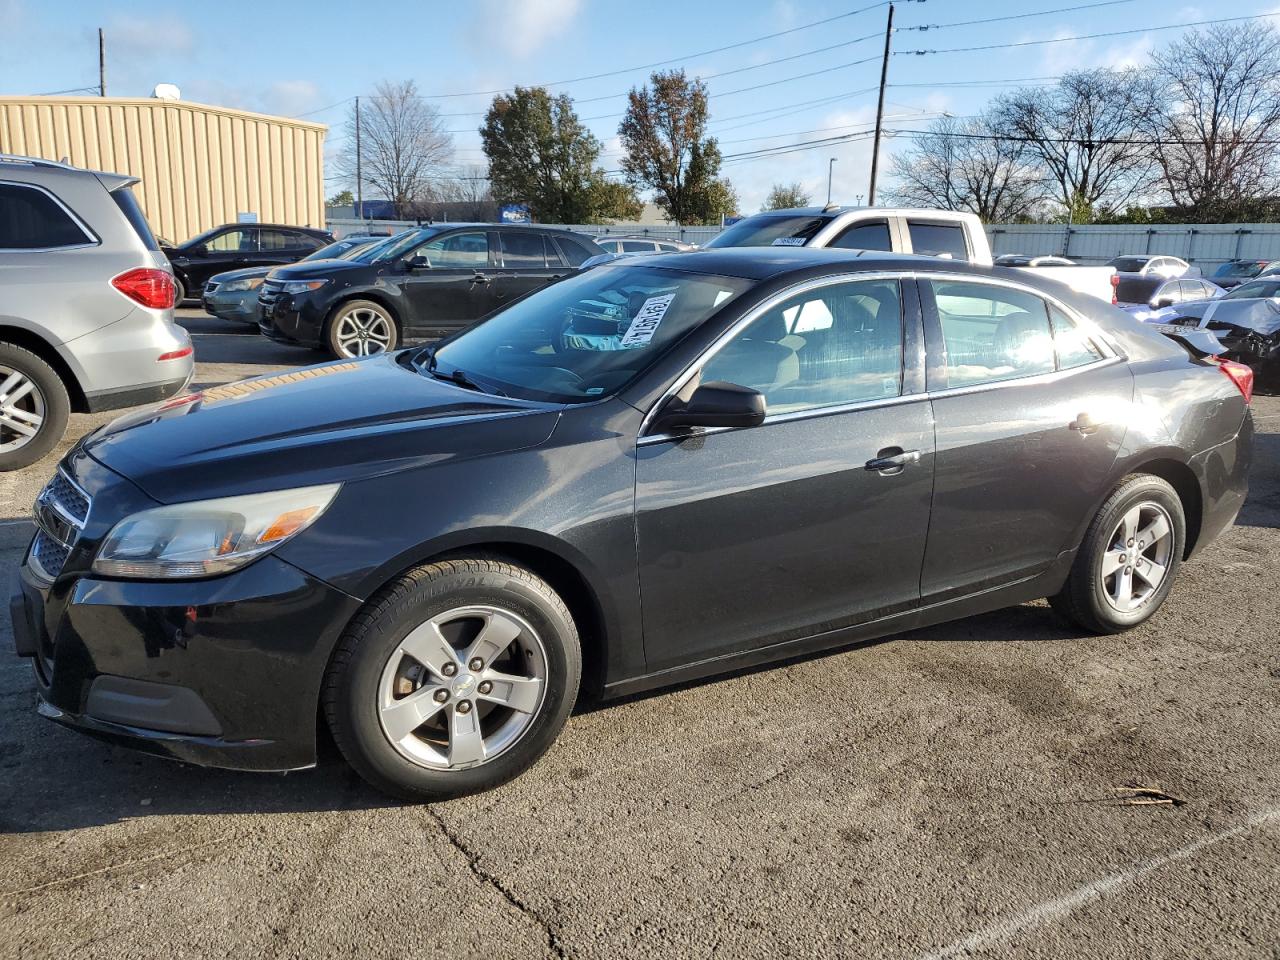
[463, 686]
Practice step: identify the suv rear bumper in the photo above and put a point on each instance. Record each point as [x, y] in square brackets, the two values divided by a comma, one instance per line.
[135, 396]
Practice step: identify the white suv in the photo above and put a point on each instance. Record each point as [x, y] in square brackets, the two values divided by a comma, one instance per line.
[86, 304]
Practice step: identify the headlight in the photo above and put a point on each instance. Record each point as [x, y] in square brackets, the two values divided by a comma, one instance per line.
[209, 537]
[301, 286]
[239, 286]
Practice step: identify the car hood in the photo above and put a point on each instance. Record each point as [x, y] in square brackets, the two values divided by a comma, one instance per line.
[248, 273]
[310, 269]
[1259, 315]
[323, 424]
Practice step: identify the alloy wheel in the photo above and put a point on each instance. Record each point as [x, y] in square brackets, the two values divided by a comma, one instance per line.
[362, 332]
[462, 688]
[22, 409]
[1136, 560]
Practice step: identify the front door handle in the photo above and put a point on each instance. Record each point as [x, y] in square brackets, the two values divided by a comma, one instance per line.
[480, 278]
[891, 461]
[1084, 425]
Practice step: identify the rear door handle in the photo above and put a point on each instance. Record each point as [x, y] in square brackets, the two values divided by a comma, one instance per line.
[892, 460]
[1084, 425]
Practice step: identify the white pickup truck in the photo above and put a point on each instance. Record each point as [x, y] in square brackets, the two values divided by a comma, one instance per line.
[937, 233]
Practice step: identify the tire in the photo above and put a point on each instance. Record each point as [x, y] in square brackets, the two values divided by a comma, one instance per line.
[428, 755]
[179, 293]
[1107, 591]
[39, 401]
[360, 328]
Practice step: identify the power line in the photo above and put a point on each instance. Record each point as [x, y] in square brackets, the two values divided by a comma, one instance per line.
[1015, 16]
[1091, 36]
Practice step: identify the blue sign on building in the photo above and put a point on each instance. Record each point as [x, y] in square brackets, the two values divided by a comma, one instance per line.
[514, 213]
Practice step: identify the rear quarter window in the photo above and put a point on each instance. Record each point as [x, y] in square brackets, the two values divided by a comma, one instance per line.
[128, 205]
[31, 219]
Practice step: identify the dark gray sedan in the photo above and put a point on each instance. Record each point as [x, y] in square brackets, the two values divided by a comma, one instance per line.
[651, 471]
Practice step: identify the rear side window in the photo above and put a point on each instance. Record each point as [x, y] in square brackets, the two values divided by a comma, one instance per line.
[31, 219]
[278, 239]
[128, 205]
[1074, 347]
[992, 333]
[637, 246]
[865, 236]
[523, 250]
[938, 239]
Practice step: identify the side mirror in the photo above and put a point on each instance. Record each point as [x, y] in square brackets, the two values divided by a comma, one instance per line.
[418, 263]
[714, 404]
[199, 250]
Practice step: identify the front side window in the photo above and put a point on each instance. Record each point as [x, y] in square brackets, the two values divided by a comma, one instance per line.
[589, 335]
[523, 251]
[233, 241]
[992, 333]
[865, 236]
[938, 239]
[458, 250]
[30, 219]
[834, 345]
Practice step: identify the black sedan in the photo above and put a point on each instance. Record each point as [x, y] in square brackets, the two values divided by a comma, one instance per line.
[235, 245]
[434, 281]
[646, 473]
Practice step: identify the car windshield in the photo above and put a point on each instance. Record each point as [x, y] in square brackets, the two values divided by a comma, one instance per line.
[771, 231]
[1129, 264]
[340, 249]
[202, 237]
[585, 337]
[1244, 269]
[1258, 289]
[398, 246]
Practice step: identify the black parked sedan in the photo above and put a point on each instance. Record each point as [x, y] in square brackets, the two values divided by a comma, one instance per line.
[435, 281]
[648, 472]
[235, 245]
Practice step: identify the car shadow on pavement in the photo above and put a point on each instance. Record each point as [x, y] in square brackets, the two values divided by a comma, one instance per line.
[1262, 508]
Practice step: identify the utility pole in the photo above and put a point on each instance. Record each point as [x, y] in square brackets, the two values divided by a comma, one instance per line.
[102, 64]
[830, 164]
[359, 172]
[884, 76]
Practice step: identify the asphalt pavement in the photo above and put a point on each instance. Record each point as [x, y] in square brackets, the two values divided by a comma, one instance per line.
[962, 791]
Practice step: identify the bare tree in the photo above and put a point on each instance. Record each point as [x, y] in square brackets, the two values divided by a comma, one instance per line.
[962, 165]
[1213, 116]
[403, 143]
[1084, 132]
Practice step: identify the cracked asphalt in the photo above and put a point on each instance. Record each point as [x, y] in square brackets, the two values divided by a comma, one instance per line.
[953, 792]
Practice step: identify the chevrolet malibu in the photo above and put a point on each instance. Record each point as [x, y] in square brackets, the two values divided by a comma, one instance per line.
[651, 471]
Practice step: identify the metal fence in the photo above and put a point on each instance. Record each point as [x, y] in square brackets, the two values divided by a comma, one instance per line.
[1206, 245]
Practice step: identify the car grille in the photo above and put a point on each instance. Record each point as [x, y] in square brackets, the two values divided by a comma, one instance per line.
[60, 513]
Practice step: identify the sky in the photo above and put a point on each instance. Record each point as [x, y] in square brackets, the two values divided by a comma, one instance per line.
[308, 59]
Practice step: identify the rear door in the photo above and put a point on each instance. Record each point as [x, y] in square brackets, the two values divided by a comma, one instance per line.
[277, 247]
[1030, 410]
[750, 537]
[527, 265]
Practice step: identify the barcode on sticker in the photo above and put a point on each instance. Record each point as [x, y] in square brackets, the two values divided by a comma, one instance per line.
[646, 321]
[789, 242]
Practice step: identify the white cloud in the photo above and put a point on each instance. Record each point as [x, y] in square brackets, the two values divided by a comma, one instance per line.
[288, 98]
[145, 38]
[520, 27]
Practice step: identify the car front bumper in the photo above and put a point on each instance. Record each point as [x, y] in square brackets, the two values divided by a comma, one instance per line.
[240, 306]
[291, 318]
[223, 672]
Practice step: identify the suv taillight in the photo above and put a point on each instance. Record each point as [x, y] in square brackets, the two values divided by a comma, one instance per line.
[1240, 374]
[1115, 289]
[148, 286]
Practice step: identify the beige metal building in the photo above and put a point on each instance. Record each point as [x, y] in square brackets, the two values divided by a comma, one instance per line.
[200, 166]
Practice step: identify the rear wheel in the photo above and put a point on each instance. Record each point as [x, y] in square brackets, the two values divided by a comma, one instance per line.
[361, 328]
[34, 407]
[1129, 558]
[179, 292]
[456, 678]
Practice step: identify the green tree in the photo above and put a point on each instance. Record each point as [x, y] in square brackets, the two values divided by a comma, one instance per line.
[783, 196]
[343, 198]
[668, 151]
[540, 153]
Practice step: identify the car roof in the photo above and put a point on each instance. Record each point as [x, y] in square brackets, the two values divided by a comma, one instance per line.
[764, 263]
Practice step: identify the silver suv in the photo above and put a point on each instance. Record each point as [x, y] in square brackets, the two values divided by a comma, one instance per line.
[86, 304]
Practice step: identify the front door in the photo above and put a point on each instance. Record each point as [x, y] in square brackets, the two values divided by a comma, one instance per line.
[454, 288]
[750, 537]
[529, 263]
[231, 249]
[1030, 413]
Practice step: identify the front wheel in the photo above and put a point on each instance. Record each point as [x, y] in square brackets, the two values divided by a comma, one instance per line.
[361, 328]
[1129, 558]
[455, 678]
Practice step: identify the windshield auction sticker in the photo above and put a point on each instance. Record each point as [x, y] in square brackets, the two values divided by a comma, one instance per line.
[789, 242]
[645, 324]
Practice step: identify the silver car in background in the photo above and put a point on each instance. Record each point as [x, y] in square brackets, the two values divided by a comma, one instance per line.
[86, 304]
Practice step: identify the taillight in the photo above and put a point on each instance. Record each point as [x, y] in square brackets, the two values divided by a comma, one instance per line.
[148, 286]
[1240, 374]
[175, 354]
[1115, 289]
